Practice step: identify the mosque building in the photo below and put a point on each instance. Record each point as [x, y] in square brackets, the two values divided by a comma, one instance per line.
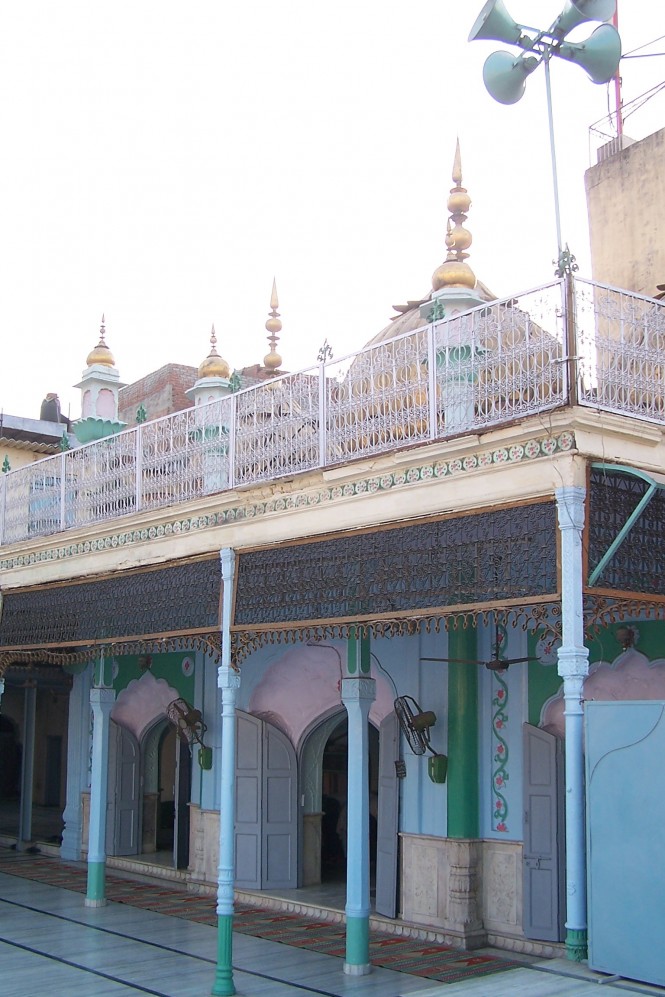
[356, 631]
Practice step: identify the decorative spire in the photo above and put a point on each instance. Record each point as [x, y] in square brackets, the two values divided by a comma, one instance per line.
[214, 365]
[101, 353]
[272, 360]
[455, 272]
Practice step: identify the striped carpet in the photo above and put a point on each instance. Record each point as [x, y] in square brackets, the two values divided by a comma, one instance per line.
[406, 955]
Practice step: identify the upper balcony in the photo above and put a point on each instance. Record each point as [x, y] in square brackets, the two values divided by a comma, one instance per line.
[571, 342]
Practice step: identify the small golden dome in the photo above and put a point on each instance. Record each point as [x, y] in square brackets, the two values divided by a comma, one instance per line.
[101, 353]
[214, 365]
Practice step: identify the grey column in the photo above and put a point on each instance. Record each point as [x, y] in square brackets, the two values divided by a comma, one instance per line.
[27, 767]
[573, 667]
[78, 748]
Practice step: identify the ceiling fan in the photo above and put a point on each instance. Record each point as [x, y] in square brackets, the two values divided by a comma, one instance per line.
[494, 664]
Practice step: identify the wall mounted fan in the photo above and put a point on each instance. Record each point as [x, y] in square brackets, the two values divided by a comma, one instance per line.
[416, 725]
[189, 723]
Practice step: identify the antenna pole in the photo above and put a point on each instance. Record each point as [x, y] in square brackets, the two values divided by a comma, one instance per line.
[617, 83]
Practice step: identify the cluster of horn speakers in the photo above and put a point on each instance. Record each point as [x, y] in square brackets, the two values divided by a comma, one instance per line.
[505, 74]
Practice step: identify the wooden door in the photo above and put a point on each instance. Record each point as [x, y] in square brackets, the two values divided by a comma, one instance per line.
[543, 901]
[387, 818]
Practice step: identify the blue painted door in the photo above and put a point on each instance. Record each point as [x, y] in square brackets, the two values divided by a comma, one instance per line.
[625, 748]
[543, 850]
[266, 807]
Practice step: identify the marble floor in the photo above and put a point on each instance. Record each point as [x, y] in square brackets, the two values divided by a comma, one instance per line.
[50, 942]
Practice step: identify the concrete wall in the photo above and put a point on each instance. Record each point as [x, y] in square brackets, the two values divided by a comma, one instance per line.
[626, 202]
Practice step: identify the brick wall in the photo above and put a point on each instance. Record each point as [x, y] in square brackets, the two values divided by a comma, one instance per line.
[160, 393]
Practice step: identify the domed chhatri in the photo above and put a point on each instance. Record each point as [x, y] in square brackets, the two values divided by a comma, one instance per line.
[214, 365]
[272, 360]
[101, 353]
[99, 385]
[455, 272]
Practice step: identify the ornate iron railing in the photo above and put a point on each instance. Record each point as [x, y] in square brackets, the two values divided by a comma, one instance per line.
[499, 362]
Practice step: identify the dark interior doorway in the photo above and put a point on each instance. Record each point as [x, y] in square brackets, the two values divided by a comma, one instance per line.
[334, 802]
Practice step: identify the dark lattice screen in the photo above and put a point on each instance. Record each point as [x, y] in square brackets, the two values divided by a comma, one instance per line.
[497, 555]
[639, 563]
[184, 597]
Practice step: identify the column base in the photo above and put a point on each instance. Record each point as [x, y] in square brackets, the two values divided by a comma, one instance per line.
[351, 969]
[576, 944]
[224, 986]
[93, 902]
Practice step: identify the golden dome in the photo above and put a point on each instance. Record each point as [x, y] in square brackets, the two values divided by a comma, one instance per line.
[214, 365]
[273, 360]
[101, 353]
[453, 273]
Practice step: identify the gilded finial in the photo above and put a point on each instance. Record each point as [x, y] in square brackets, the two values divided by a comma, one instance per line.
[455, 272]
[101, 353]
[273, 360]
[214, 365]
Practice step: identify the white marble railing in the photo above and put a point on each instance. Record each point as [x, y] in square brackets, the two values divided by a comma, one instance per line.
[496, 363]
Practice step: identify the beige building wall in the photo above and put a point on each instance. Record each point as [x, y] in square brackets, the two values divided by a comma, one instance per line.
[626, 204]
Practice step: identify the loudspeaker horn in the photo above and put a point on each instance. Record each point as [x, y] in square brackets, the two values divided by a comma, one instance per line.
[505, 75]
[578, 11]
[599, 55]
[495, 23]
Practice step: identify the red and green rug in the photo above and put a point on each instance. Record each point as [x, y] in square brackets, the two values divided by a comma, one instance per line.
[404, 955]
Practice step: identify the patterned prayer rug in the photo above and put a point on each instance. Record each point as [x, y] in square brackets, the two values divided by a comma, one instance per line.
[404, 955]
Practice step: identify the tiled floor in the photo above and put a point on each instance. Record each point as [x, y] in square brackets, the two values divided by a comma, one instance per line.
[51, 943]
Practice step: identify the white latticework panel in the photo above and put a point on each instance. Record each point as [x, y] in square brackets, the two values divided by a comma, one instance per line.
[378, 399]
[621, 339]
[100, 480]
[277, 428]
[500, 362]
[32, 500]
[185, 455]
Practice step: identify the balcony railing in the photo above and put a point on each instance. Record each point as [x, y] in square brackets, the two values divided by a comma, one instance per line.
[497, 363]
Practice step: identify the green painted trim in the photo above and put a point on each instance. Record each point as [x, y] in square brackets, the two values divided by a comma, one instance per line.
[357, 941]
[358, 658]
[96, 881]
[224, 986]
[463, 804]
[576, 944]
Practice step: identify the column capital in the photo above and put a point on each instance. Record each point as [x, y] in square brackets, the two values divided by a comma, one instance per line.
[570, 507]
[227, 677]
[358, 690]
[573, 662]
[104, 698]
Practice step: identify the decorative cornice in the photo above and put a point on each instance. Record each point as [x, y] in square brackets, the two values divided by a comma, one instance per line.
[389, 480]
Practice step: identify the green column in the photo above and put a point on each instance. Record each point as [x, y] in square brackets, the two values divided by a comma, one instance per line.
[462, 735]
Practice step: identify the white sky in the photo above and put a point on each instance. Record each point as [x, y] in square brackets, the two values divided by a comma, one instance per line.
[161, 161]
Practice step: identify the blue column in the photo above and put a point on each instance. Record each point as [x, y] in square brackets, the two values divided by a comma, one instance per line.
[229, 682]
[573, 666]
[358, 694]
[2, 688]
[78, 733]
[27, 767]
[102, 698]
